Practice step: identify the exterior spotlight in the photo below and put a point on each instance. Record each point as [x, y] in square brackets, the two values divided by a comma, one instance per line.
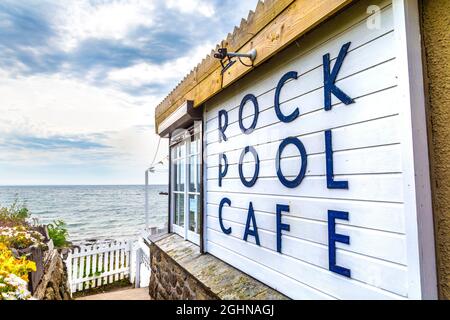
[226, 58]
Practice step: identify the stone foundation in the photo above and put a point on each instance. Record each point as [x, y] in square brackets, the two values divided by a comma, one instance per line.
[169, 281]
[53, 285]
[180, 272]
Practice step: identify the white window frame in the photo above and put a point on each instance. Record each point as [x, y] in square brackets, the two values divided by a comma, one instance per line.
[184, 138]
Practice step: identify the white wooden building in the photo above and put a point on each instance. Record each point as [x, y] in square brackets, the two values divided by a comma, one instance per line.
[308, 170]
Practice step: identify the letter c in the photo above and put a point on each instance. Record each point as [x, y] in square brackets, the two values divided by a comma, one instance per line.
[222, 203]
[294, 115]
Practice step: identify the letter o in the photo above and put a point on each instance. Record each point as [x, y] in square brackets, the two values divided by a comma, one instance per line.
[252, 182]
[296, 182]
[252, 98]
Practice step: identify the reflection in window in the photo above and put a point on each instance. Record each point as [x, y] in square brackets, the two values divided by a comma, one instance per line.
[194, 213]
[179, 209]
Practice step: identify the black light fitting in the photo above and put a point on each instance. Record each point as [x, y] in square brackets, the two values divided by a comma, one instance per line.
[226, 58]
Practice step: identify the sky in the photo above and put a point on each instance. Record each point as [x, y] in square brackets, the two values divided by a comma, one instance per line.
[80, 79]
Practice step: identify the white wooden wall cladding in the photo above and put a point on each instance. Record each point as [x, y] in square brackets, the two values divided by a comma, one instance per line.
[368, 142]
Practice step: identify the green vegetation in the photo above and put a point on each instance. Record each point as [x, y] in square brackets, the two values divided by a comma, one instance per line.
[17, 235]
[57, 231]
[16, 215]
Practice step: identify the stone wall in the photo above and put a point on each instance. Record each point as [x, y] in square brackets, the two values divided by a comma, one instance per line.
[169, 281]
[181, 272]
[436, 38]
[53, 285]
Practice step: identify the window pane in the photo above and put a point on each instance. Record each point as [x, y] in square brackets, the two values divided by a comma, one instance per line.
[174, 175]
[179, 150]
[179, 209]
[194, 146]
[179, 175]
[194, 174]
[198, 177]
[198, 214]
[186, 169]
[182, 174]
[194, 213]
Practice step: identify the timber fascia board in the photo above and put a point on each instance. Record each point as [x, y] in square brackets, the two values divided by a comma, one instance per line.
[273, 26]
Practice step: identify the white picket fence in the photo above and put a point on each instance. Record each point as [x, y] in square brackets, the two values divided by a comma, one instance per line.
[143, 270]
[100, 264]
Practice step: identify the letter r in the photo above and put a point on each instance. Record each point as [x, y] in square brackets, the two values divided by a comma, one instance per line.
[223, 125]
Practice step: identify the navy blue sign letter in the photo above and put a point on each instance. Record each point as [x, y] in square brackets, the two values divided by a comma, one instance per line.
[330, 78]
[251, 220]
[222, 172]
[296, 182]
[252, 182]
[280, 115]
[252, 98]
[281, 226]
[222, 203]
[223, 124]
[333, 237]
[331, 184]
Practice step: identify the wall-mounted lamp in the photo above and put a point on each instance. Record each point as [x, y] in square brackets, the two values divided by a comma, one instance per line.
[226, 58]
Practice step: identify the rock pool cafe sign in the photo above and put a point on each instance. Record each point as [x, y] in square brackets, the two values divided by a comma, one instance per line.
[315, 165]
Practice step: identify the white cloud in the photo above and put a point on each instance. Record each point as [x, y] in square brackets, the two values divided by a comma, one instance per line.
[52, 106]
[168, 73]
[49, 106]
[56, 105]
[203, 7]
[79, 19]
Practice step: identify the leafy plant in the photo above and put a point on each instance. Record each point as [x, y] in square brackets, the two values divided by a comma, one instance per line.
[16, 214]
[57, 231]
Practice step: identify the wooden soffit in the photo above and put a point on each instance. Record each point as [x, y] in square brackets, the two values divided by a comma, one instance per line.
[273, 26]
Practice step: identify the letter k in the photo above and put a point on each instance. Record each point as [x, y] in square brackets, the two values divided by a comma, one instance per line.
[330, 78]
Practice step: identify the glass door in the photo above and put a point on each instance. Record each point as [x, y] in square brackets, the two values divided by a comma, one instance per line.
[178, 187]
[193, 194]
[186, 184]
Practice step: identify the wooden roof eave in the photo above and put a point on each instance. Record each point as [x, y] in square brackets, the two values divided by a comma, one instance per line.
[273, 26]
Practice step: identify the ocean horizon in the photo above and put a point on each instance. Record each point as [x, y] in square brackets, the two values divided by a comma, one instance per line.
[92, 212]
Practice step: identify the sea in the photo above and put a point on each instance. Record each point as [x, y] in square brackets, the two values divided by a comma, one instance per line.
[92, 212]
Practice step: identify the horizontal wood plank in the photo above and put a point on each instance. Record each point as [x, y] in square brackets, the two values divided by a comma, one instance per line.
[388, 276]
[367, 152]
[318, 278]
[378, 216]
